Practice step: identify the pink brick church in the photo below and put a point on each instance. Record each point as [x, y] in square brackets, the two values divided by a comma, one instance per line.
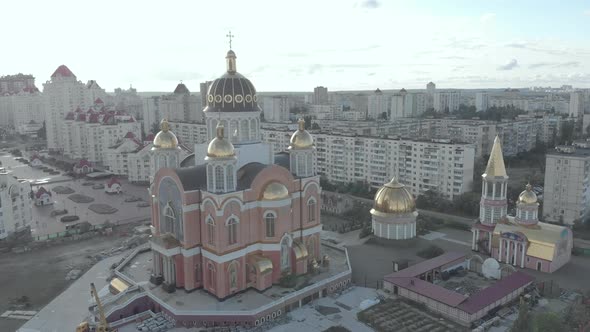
[241, 217]
[521, 240]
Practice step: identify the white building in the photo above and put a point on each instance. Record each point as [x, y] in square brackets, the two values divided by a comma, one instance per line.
[129, 101]
[577, 104]
[398, 105]
[404, 104]
[320, 95]
[88, 134]
[15, 204]
[430, 88]
[326, 112]
[151, 114]
[181, 106]
[276, 108]
[63, 94]
[378, 105]
[567, 184]
[20, 108]
[446, 101]
[482, 101]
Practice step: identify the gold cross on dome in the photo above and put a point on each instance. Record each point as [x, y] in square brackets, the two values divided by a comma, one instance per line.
[230, 36]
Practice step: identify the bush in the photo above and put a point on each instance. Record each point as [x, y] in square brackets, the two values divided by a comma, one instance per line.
[458, 225]
[366, 231]
[431, 252]
[288, 280]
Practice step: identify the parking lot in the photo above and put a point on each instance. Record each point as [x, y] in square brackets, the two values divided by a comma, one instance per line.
[44, 224]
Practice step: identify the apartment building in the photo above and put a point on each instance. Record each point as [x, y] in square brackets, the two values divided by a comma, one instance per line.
[567, 183]
[446, 101]
[15, 204]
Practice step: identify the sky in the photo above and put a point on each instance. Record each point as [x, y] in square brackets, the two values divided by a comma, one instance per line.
[297, 45]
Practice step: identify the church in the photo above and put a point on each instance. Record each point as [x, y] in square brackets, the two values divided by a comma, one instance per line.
[521, 240]
[233, 216]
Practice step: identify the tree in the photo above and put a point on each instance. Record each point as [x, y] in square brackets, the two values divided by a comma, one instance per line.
[42, 133]
[547, 322]
[315, 126]
[523, 322]
[307, 119]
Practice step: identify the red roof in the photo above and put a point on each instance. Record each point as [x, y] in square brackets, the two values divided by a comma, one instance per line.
[149, 137]
[41, 191]
[427, 265]
[495, 292]
[63, 71]
[130, 135]
[82, 163]
[98, 101]
[70, 116]
[429, 290]
[93, 118]
[113, 181]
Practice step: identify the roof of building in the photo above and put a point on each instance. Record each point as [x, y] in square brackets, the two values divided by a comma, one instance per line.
[543, 238]
[63, 71]
[181, 89]
[247, 173]
[83, 162]
[283, 159]
[188, 161]
[192, 178]
[130, 135]
[430, 290]
[495, 167]
[428, 265]
[113, 181]
[393, 198]
[495, 292]
[41, 191]
[98, 101]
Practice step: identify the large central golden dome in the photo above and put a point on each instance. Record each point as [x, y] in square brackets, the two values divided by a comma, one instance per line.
[301, 139]
[528, 196]
[275, 191]
[165, 139]
[393, 198]
[219, 146]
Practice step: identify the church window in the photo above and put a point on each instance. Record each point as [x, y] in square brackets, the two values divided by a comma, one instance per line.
[233, 276]
[169, 217]
[219, 185]
[285, 254]
[311, 210]
[210, 230]
[230, 177]
[244, 130]
[269, 220]
[232, 231]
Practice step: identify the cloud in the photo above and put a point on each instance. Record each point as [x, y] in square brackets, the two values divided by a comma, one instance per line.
[517, 45]
[510, 65]
[453, 57]
[568, 64]
[487, 18]
[370, 4]
[464, 44]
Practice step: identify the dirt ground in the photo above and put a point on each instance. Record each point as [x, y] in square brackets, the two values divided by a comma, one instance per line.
[40, 274]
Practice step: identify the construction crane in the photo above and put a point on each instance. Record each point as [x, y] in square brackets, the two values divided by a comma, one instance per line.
[102, 326]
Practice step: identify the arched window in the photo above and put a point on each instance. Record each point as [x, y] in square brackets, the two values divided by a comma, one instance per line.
[219, 179]
[244, 130]
[233, 276]
[210, 230]
[230, 177]
[211, 275]
[232, 230]
[233, 131]
[210, 177]
[269, 221]
[285, 261]
[253, 129]
[311, 207]
[169, 218]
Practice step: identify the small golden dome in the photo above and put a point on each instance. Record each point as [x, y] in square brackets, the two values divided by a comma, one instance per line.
[528, 196]
[165, 139]
[393, 198]
[301, 139]
[219, 147]
[275, 191]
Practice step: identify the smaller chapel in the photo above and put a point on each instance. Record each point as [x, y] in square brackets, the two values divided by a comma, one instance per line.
[521, 240]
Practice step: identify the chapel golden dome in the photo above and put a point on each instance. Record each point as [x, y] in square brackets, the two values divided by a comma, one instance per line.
[301, 139]
[528, 196]
[393, 198]
[165, 139]
[275, 191]
[220, 147]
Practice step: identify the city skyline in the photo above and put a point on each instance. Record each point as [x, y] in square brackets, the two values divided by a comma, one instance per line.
[351, 45]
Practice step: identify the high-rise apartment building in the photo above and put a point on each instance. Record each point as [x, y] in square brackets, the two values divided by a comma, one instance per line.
[577, 104]
[320, 96]
[378, 105]
[276, 108]
[15, 204]
[181, 106]
[151, 114]
[430, 88]
[129, 101]
[446, 101]
[482, 101]
[204, 87]
[12, 84]
[567, 184]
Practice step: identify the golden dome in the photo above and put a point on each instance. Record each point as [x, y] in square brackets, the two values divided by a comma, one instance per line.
[528, 196]
[275, 191]
[220, 147]
[165, 139]
[301, 139]
[394, 198]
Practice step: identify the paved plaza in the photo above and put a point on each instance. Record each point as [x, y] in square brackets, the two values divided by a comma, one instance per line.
[43, 223]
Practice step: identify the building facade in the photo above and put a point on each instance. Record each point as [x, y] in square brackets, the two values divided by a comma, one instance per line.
[446, 101]
[15, 204]
[180, 106]
[482, 101]
[320, 96]
[378, 105]
[276, 108]
[520, 240]
[566, 196]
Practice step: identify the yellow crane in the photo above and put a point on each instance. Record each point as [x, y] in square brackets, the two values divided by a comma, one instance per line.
[102, 325]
